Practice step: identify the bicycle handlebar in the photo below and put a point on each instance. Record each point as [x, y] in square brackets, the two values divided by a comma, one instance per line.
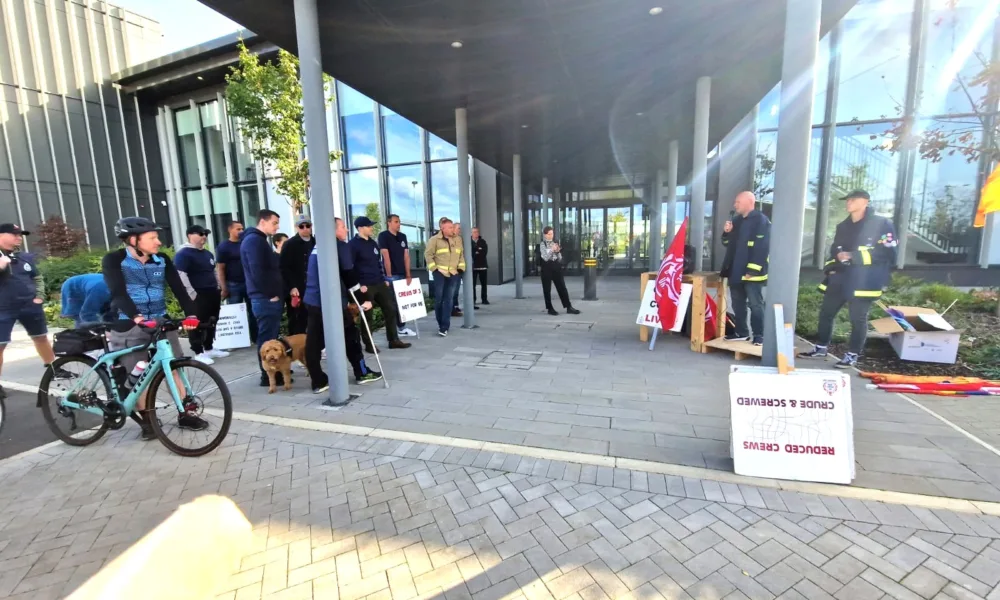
[166, 323]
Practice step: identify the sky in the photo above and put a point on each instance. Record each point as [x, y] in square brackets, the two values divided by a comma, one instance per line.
[184, 23]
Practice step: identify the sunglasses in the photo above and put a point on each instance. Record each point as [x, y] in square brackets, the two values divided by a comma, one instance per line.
[305, 226]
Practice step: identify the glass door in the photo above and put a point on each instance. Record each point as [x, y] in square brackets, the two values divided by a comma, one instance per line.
[592, 235]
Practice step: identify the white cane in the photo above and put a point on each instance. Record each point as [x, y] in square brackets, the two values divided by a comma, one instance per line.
[361, 310]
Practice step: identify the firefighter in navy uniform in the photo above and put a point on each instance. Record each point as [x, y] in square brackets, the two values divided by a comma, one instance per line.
[747, 239]
[859, 267]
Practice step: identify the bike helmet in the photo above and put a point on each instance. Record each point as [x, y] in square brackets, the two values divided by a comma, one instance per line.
[129, 226]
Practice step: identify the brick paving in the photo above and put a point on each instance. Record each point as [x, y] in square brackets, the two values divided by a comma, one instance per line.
[346, 517]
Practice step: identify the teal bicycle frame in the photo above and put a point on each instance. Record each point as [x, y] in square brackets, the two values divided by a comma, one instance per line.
[161, 360]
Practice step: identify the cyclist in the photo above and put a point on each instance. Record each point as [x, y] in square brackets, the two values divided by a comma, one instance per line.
[138, 276]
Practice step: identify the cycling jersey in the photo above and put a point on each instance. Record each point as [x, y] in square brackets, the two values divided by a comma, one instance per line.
[139, 288]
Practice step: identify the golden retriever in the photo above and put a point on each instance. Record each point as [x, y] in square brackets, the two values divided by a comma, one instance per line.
[274, 360]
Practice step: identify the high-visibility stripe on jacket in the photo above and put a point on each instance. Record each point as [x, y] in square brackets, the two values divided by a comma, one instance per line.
[871, 244]
[444, 255]
[747, 250]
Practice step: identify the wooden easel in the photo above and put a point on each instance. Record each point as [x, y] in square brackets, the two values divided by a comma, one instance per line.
[701, 283]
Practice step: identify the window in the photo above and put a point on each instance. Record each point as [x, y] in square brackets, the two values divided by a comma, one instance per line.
[215, 154]
[959, 40]
[246, 168]
[402, 139]
[440, 149]
[444, 191]
[406, 199]
[357, 125]
[363, 198]
[767, 111]
[186, 121]
[875, 56]
[506, 228]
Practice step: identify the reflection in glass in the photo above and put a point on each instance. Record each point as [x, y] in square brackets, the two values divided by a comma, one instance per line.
[198, 211]
[767, 113]
[249, 200]
[959, 41]
[406, 199]
[440, 149]
[764, 184]
[357, 124]
[640, 236]
[186, 121]
[444, 191]
[211, 131]
[363, 198]
[246, 169]
[402, 139]
[506, 228]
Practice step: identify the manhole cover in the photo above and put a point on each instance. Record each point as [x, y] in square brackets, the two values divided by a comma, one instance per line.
[510, 360]
[575, 326]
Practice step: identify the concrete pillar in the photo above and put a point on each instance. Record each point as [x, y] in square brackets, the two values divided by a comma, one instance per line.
[672, 152]
[699, 168]
[655, 250]
[546, 219]
[518, 232]
[791, 173]
[556, 210]
[314, 106]
[465, 211]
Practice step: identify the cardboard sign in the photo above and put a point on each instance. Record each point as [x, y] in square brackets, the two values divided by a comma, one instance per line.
[410, 300]
[933, 339]
[797, 426]
[233, 328]
[649, 313]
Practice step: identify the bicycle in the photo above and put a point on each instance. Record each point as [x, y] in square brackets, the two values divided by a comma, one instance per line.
[93, 402]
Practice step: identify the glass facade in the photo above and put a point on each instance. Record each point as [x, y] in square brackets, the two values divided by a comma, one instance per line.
[931, 197]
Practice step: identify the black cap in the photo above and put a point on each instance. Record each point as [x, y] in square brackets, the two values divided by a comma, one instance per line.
[363, 222]
[198, 229]
[12, 228]
[857, 194]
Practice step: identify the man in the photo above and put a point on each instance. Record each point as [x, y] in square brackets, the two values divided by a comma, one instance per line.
[294, 262]
[22, 293]
[479, 250]
[371, 275]
[264, 283]
[196, 266]
[747, 238]
[396, 259]
[85, 299]
[859, 267]
[316, 338]
[231, 278]
[445, 261]
[138, 276]
[456, 311]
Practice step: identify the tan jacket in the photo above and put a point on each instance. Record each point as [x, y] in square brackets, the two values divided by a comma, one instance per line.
[445, 255]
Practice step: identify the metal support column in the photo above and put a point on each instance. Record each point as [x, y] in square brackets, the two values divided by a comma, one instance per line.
[655, 250]
[317, 148]
[465, 211]
[518, 232]
[556, 210]
[672, 155]
[545, 202]
[791, 174]
[699, 169]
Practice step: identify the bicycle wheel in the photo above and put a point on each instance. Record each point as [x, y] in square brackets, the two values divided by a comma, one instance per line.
[3, 413]
[75, 427]
[207, 398]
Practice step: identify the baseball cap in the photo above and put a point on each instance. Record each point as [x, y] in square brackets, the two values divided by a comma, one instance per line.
[303, 219]
[13, 228]
[857, 194]
[363, 222]
[198, 229]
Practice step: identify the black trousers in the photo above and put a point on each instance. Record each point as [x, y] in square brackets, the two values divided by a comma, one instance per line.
[479, 274]
[207, 305]
[298, 317]
[833, 301]
[316, 341]
[380, 295]
[552, 273]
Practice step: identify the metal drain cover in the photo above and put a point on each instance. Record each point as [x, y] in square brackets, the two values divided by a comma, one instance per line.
[514, 360]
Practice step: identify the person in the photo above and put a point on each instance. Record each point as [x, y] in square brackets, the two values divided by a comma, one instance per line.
[456, 310]
[278, 241]
[294, 261]
[860, 265]
[138, 276]
[479, 250]
[196, 266]
[264, 283]
[370, 273]
[22, 293]
[316, 337]
[231, 276]
[550, 255]
[444, 258]
[396, 259]
[747, 238]
[85, 299]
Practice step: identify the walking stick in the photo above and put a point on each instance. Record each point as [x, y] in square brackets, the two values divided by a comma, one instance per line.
[381, 369]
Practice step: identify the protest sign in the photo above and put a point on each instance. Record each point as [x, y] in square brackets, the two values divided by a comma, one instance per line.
[233, 327]
[410, 300]
[649, 314]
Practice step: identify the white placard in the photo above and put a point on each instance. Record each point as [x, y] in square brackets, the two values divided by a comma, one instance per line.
[410, 300]
[233, 328]
[649, 313]
[797, 426]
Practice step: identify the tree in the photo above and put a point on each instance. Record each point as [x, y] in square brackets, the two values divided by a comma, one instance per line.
[266, 100]
[59, 239]
[372, 212]
[763, 175]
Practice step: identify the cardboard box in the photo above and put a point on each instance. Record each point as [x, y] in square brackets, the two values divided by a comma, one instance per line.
[933, 339]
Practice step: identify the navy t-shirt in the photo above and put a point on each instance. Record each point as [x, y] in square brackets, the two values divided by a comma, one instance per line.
[228, 253]
[367, 260]
[397, 246]
[199, 266]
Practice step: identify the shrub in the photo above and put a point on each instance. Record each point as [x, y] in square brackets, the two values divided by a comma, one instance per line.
[58, 239]
[57, 270]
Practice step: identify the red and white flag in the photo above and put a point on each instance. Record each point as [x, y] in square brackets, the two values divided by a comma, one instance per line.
[668, 279]
[711, 308]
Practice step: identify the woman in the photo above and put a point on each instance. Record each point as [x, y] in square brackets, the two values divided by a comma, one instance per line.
[278, 240]
[551, 268]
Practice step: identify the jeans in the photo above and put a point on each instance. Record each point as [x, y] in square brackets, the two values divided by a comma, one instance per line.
[552, 273]
[444, 293]
[237, 294]
[479, 274]
[207, 305]
[751, 292]
[268, 323]
[458, 289]
[857, 309]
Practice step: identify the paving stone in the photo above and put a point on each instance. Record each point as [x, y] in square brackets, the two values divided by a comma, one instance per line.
[924, 582]
[859, 589]
[906, 557]
[779, 578]
[705, 563]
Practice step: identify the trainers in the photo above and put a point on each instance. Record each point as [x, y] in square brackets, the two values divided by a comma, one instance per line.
[456, 313]
[553, 312]
[486, 302]
[849, 360]
[369, 377]
[816, 352]
[442, 333]
[735, 337]
[61, 373]
[204, 359]
[147, 433]
[572, 311]
[192, 422]
[758, 341]
[217, 353]
[321, 389]
[399, 345]
[476, 307]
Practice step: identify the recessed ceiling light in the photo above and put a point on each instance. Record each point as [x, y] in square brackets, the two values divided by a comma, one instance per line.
[457, 44]
[524, 126]
[200, 78]
[638, 114]
[655, 10]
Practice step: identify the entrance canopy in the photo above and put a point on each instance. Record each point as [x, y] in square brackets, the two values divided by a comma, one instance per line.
[582, 89]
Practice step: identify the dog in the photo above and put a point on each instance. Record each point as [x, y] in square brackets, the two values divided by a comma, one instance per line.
[275, 359]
